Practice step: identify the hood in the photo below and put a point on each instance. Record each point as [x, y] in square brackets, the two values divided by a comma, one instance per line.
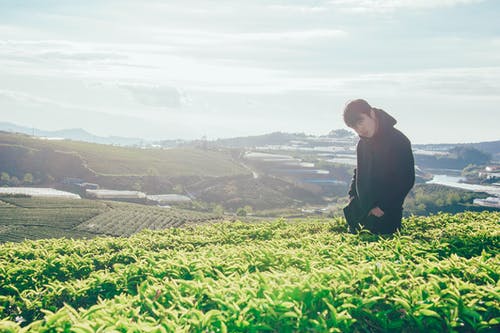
[385, 120]
[385, 123]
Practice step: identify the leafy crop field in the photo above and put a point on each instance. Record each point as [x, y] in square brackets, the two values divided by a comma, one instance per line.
[440, 275]
[36, 218]
[126, 219]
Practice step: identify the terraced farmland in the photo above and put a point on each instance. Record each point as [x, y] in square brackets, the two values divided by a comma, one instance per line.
[440, 275]
[34, 218]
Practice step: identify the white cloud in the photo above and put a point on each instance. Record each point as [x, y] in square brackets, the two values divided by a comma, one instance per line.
[147, 65]
[154, 75]
[298, 9]
[81, 56]
[201, 38]
[27, 99]
[291, 35]
[392, 5]
[473, 82]
[58, 50]
[11, 31]
[154, 95]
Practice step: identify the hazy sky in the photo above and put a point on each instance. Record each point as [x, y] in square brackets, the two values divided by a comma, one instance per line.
[184, 69]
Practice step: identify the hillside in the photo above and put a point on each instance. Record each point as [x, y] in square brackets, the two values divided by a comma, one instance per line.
[264, 192]
[203, 174]
[108, 160]
[441, 274]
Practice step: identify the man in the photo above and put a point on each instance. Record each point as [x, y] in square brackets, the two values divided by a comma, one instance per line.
[385, 170]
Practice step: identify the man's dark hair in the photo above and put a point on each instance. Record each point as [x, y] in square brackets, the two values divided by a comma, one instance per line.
[353, 111]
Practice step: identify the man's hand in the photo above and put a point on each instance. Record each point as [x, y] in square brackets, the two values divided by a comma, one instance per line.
[376, 212]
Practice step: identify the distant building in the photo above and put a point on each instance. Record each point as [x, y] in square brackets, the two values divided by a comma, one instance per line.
[50, 138]
[166, 199]
[492, 168]
[89, 186]
[72, 181]
[129, 196]
[488, 202]
[38, 192]
[313, 210]
[489, 175]
[491, 172]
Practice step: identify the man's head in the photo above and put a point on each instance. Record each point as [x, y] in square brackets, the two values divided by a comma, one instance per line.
[360, 116]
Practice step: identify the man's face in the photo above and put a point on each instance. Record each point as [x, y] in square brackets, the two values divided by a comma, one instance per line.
[367, 125]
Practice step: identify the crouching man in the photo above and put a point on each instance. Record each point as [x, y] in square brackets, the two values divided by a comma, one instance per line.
[385, 170]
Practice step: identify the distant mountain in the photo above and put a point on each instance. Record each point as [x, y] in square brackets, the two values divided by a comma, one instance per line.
[275, 138]
[283, 139]
[490, 147]
[76, 134]
[341, 133]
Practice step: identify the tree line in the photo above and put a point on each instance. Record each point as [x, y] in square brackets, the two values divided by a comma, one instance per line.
[10, 180]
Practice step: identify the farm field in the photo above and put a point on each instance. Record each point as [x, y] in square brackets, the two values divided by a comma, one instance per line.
[440, 275]
[36, 218]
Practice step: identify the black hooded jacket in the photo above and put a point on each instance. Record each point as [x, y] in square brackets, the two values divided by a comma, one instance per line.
[385, 170]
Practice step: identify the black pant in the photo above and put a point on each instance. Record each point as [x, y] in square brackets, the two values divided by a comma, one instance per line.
[389, 223]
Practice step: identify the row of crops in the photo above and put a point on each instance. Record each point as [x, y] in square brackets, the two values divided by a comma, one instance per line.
[440, 275]
[125, 219]
[51, 202]
[37, 218]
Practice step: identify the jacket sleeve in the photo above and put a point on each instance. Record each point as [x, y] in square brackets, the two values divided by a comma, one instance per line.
[402, 176]
[352, 189]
